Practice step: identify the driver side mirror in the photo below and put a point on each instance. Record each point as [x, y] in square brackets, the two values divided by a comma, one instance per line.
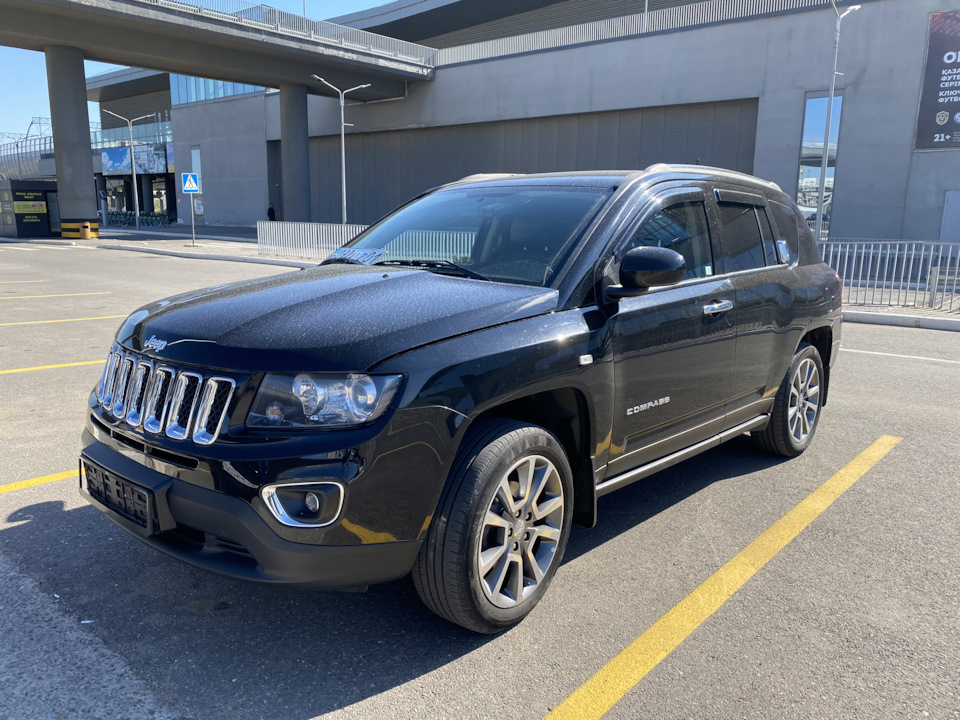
[645, 267]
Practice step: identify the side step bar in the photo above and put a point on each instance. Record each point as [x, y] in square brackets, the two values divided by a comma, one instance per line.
[615, 483]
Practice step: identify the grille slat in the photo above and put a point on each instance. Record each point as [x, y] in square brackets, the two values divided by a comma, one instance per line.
[156, 408]
[181, 404]
[216, 396]
[122, 389]
[113, 363]
[138, 392]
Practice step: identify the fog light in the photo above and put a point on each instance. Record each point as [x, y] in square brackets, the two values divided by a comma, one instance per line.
[312, 504]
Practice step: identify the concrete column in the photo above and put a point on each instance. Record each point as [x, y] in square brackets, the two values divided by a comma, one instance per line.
[294, 153]
[67, 87]
[146, 193]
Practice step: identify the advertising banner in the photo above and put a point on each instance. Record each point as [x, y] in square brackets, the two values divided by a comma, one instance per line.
[115, 161]
[938, 121]
[150, 159]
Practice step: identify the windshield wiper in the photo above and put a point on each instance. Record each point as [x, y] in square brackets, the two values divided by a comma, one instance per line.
[436, 264]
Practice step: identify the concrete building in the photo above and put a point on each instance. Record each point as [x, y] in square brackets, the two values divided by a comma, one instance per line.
[542, 85]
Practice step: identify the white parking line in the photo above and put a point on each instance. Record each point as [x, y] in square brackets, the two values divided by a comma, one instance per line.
[902, 357]
[20, 248]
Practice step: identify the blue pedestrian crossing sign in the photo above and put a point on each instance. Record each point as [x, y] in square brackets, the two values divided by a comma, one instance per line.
[191, 182]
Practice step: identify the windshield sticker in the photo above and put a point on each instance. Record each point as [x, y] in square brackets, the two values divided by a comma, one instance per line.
[357, 255]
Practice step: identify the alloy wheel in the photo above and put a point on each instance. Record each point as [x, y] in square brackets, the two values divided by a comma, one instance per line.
[520, 531]
[804, 400]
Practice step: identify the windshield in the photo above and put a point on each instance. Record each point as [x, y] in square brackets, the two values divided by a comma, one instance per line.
[508, 234]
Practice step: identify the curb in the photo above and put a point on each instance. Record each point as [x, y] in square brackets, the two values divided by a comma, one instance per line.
[911, 321]
[206, 256]
[110, 231]
[41, 242]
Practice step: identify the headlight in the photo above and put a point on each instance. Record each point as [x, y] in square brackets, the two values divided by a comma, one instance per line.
[321, 400]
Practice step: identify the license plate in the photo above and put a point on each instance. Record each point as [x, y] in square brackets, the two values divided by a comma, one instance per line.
[123, 497]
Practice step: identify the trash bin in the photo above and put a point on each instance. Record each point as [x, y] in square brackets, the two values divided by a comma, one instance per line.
[85, 230]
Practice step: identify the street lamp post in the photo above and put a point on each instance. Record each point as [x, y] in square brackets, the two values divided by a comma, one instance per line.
[133, 164]
[826, 131]
[343, 144]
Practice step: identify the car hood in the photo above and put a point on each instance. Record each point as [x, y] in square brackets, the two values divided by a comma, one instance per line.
[332, 317]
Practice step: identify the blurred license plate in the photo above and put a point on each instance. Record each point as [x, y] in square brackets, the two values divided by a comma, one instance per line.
[123, 497]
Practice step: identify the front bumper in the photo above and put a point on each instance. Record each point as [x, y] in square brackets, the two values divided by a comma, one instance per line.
[198, 517]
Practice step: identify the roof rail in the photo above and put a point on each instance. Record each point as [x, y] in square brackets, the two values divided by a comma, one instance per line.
[707, 169]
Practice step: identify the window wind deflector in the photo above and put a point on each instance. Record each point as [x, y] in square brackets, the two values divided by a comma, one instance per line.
[467, 272]
[739, 198]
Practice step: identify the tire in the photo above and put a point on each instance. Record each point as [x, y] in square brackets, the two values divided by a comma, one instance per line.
[476, 568]
[790, 432]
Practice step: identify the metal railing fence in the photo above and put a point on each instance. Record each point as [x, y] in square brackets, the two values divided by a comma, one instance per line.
[303, 240]
[264, 17]
[692, 15]
[316, 241]
[897, 273]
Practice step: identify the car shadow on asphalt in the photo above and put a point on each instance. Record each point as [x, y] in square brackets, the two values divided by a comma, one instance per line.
[212, 647]
[649, 497]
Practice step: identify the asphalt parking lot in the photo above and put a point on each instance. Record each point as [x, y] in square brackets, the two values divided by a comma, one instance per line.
[858, 616]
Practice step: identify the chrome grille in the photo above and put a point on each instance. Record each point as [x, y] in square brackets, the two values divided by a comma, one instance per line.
[180, 404]
[213, 404]
[121, 389]
[155, 410]
[110, 379]
[138, 392]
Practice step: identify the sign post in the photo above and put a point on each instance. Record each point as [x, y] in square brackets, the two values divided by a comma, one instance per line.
[191, 186]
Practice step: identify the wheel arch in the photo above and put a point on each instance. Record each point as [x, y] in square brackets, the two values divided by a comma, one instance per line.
[565, 413]
[822, 339]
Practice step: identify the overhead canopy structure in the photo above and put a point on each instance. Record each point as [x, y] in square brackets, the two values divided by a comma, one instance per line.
[252, 44]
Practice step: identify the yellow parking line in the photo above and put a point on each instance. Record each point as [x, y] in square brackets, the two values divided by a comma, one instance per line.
[51, 367]
[45, 322]
[615, 679]
[37, 481]
[29, 297]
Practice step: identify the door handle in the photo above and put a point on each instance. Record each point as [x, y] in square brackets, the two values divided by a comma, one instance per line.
[717, 307]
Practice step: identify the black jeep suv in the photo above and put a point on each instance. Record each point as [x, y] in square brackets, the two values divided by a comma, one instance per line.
[447, 393]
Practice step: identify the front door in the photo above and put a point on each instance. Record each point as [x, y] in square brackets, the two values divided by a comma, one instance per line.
[673, 346]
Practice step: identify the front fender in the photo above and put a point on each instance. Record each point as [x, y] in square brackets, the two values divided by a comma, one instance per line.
[477, 372]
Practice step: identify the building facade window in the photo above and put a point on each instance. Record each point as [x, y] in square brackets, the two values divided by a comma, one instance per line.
[811, 155]
[185, 89]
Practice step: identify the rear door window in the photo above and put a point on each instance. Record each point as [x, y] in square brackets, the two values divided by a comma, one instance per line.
[740, 239]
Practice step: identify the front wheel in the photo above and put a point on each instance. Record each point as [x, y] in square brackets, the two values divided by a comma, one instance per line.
[501, 529]
[796, 410]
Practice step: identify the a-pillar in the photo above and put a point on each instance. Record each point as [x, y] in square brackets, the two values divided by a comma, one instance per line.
[294, 153]
[76, 190]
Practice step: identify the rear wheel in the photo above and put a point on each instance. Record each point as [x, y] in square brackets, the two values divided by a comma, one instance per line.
[501, 530]
[796, 410]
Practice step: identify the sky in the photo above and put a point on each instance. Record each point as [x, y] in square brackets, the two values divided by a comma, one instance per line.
[25, 88]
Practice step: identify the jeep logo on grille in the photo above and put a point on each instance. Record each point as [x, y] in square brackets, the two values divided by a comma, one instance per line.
[155, 343]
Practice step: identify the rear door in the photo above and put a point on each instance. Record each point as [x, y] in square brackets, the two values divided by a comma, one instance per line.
[673, 347]
[763, 313]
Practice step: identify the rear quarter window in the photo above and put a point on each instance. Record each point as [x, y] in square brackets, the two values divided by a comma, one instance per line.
[788, 225]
